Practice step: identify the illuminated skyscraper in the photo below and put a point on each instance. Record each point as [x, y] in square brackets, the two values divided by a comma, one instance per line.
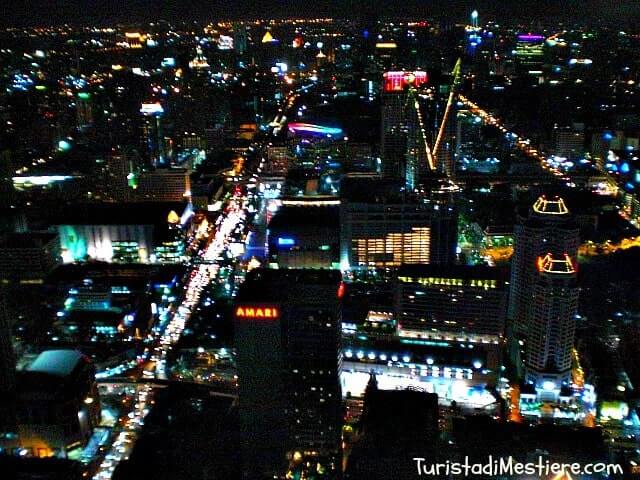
[552, 323]
[288, 338]
[529, 52]
[152, 136]
[387, 229]
[543, 295]
[83, 110]
[549, 228]
[404, 148]
[239, 38]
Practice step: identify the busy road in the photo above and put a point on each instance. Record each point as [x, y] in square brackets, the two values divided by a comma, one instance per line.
[228, 226]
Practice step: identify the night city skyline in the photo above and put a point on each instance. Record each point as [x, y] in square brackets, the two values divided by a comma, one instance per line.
[42, 12]
[338, 241]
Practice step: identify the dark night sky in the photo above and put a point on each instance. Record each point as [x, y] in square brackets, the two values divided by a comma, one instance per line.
[105, 11]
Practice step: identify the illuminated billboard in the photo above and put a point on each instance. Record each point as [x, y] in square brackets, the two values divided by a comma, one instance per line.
[312, 129]
[151, 109]
[530, 37]
[397, 81]
[225, 42]
[257, 312]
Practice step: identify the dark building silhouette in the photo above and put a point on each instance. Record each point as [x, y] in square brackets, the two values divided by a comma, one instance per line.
[396, 425]
[287, 328]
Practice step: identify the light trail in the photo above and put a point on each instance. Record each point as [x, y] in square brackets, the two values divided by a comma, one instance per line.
[200, 277]
[447, 110]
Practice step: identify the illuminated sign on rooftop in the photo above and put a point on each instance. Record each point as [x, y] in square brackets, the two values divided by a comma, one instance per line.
[397, 81]
[555, 206]
[151, 109]
[312, 129]
[262, 311]
[548, 264]
[530, 37]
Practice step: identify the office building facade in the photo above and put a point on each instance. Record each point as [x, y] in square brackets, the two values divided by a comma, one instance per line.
[288, 327]
[553, 322]
[457, 301]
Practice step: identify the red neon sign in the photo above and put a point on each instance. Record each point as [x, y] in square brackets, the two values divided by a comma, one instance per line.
[341, 290]
[257, 312]
[397, 81]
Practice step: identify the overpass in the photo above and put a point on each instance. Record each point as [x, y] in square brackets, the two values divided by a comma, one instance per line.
[211, 390]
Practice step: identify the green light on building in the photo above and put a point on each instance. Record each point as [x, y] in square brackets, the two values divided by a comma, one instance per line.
[132, 181]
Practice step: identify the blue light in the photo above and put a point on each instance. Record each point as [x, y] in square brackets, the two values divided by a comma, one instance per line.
[624, 168]
[607, 136]
[285, 241]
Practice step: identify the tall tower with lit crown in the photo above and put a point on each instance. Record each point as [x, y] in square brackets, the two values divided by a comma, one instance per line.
[552, 323]
[542, 290]
[404, 147]
[152, 136]
[548, 228]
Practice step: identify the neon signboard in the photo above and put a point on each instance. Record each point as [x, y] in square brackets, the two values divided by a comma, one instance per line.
[309, 128]
[397, 81]
[151, 109]
[548, 264]
[285, 241]
[530, 38]
[261, 311]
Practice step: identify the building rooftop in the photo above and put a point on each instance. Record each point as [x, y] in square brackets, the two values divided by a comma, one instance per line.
[287, 216]
[454, 271]
[553, 206]
[60, 363]
[265, 284]
[136, 213]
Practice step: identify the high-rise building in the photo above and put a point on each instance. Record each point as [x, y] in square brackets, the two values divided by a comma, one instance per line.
[26, 258]
[84, 112]
[118, 173]
[279, 158]
[152, 137]
[543, 296]
[529, 51]
[288, 339]
[304, 237]
[568, 142]
[239, 38]
[7, 369]
[403, 137]
[163, 185]
[553, 322]
[380, 228]
[549, 228]
[459, 301]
